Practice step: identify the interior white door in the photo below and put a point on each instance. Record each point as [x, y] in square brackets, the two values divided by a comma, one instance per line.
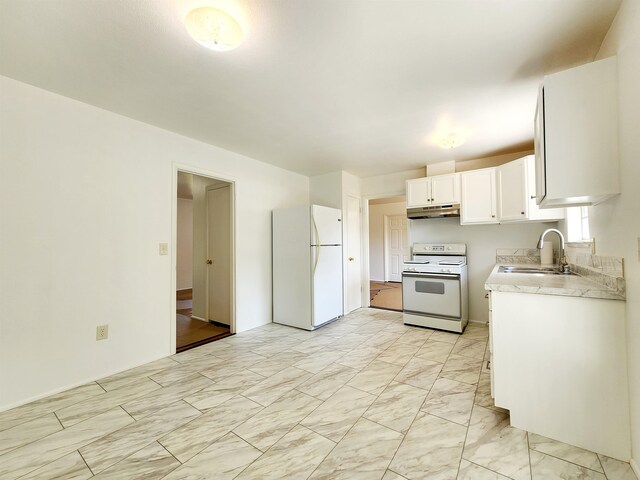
[396, 246]
[219, 254]
[353, 278]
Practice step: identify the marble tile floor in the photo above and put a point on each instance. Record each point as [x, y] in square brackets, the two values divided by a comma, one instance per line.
[365, 397]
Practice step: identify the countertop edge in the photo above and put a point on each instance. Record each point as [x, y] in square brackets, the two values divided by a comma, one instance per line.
[494, 283]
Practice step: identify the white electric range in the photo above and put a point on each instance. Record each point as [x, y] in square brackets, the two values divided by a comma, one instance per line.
[434, 287]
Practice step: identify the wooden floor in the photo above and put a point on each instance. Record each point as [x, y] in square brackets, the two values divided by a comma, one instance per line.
[191, 332]
[386, 295]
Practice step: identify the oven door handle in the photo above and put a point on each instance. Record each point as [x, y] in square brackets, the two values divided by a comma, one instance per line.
[431, 275]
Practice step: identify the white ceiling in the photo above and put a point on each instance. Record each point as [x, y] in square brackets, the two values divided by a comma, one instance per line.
[317, 85]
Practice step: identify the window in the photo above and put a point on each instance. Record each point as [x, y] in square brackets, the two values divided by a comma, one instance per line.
[578, 224]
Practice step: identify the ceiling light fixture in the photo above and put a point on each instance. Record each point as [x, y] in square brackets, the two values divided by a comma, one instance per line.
[214, 29]
[450, 140]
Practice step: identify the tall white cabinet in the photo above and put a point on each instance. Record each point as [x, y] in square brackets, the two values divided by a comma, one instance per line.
[576, 138]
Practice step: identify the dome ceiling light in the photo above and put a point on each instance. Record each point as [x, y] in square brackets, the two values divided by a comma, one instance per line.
[214, 29]
[451, 140]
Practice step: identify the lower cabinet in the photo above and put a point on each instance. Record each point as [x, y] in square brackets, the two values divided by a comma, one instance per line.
[560, 367]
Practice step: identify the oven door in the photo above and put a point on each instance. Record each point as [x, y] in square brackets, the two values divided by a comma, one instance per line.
[432, 294]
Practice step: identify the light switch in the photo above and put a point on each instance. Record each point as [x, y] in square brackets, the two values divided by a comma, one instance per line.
[164, 249]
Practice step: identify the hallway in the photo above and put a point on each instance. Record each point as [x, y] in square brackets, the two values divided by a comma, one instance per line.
[191, 332]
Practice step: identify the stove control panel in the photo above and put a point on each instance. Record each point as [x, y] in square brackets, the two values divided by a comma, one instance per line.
[440, 248]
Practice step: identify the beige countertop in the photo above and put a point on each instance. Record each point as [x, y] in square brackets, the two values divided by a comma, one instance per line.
[566, 285]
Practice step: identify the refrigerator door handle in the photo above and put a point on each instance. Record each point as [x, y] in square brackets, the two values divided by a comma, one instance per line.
[315, 227]
[315, 265]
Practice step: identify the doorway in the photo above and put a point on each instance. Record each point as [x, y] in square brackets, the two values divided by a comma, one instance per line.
[388, 249]
[204, 260]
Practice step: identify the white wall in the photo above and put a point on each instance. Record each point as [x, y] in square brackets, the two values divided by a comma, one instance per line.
[326, 190]
[376, 235]
[482, 242]
[184, 253]
[493, 161]
[79, 245]
[389, 185]
[615, 224]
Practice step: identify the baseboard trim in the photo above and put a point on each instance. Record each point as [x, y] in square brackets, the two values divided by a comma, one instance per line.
[183, 289]
[77, 384]
[198, 318]
[479, 322]
[635, 468]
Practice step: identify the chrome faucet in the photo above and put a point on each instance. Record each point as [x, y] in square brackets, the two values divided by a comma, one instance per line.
[564, 266]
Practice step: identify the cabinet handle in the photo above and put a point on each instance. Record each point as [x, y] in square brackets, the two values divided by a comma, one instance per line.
[486, 295]
[521, 213]
[493, 216]
[533, 197]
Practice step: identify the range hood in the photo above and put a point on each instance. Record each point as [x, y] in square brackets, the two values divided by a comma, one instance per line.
[438, 211]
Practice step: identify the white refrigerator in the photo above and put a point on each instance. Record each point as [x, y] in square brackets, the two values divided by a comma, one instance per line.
[307, 266]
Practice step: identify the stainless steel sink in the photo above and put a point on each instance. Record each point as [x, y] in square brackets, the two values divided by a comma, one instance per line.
[531, 269]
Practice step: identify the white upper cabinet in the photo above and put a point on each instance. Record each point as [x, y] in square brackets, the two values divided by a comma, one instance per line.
[512, 191]
[418, 192]
[479, 197]
[576, 136]
[516, 201]
[433, 191]
[445, 189]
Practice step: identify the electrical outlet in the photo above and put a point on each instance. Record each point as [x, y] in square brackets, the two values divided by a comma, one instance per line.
[164, 249]
[102, 332]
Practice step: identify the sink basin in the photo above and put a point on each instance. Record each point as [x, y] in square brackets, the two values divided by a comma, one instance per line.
[531, 269]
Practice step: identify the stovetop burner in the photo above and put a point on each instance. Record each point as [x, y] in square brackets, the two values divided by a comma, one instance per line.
[450, 262]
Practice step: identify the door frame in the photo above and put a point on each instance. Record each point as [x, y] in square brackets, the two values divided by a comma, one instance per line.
[179, 167]
[364, 238]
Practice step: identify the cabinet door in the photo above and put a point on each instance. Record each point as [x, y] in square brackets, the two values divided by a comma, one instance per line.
[445, 189]
[512, 191]
[418, 192]
[478, 196]
[535, 213]
[538, 138]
